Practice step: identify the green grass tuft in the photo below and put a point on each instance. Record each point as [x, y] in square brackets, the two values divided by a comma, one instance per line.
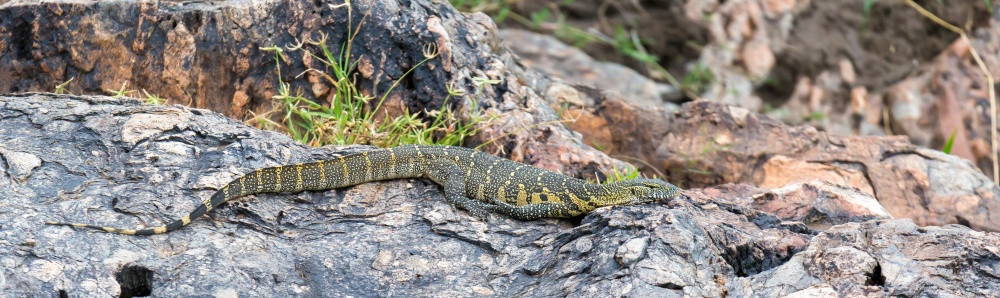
[951, 141]
[349, 117]
[620, 175]
[61, 88]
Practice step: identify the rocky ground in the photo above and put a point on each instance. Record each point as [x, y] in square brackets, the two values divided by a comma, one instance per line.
[122, 163]
[828, 64]
[770, 209]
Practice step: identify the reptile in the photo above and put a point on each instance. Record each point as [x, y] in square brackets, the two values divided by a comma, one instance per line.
[472, 180]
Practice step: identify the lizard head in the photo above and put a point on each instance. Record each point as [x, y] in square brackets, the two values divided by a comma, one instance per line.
[640, 191]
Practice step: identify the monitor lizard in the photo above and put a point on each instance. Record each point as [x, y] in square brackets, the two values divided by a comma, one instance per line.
[472, 180]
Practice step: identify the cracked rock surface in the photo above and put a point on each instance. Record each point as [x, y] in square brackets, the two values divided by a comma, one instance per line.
[208, 55]
[125, 164]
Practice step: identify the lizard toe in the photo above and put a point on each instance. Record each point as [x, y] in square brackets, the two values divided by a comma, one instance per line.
[480, 214]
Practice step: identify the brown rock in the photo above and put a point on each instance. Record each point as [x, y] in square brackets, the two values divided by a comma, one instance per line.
[927, 186]
[950, 97]
[757, 56]
[910, 110]
[859, 101]
[547, 55]
[776, 7]
[820, 204]
[813, 40]
[776, 173]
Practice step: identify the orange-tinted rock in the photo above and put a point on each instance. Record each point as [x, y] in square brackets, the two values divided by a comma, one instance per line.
[707, 144]
[820, 204]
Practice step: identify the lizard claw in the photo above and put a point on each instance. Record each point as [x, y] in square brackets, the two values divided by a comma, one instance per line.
[477, 209]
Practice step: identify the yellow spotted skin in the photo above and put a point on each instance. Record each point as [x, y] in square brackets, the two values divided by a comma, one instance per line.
[472, 180]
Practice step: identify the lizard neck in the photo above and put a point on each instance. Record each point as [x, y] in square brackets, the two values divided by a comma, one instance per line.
[602, 195]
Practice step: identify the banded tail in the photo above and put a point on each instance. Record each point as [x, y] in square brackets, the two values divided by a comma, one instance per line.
[392, 163]
[218, 198]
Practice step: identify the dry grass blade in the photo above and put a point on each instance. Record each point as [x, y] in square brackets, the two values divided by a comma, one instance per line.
[986, 73]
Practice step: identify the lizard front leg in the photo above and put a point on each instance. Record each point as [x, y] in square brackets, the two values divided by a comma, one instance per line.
[533, 211]
[452, 179]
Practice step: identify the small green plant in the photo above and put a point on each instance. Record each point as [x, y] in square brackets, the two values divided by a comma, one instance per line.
[866, 12]
[629, 173]
[626, 174]
[770, 82]
[125, 92]
[698, 79]
[121, 92]
[951, 141]
[599, 147]
[629, 42]
[498, 9]
[61, 88]
[816, 116]
[153, 99]
[540, 17]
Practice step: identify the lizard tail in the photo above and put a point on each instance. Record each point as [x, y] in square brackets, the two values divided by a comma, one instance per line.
[320, 175]
[203, 208]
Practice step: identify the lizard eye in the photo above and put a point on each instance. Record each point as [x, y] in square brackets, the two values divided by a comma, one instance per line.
[654, 185]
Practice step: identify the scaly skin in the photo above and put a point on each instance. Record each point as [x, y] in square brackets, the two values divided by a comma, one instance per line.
[472, 180]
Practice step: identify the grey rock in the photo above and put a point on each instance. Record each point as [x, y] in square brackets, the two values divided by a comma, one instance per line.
[887, 258]
[820, 204]
[632, 251]
[400, 238]
[555, 59]
[20, 164]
